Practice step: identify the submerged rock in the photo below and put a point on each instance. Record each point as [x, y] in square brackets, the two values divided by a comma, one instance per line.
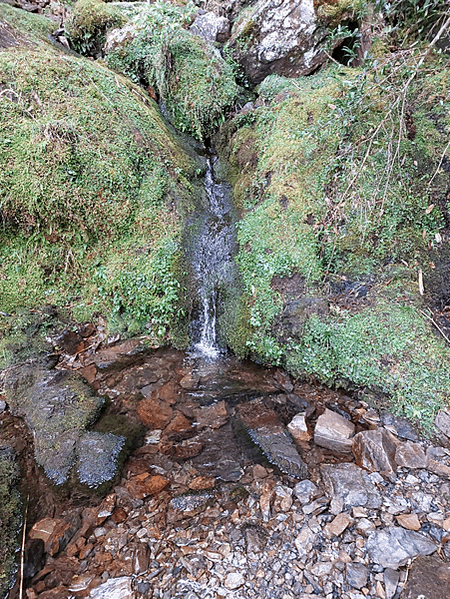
[266, 430]
[98, 455]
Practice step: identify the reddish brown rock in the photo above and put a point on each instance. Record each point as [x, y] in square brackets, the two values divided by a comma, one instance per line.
[179, 424]
[299, 429]
[214, 416]
[54, 532]
[334, 432]
[146, 484]
[375, 451]
[409, 521]
[337, 526]
[200, 483]
[169, 392]
[154, 414]
[119, 515]
[410, 455]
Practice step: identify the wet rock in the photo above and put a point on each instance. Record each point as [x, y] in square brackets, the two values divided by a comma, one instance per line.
[393, 547]
[429, 578]
[178, 425]
[200, 483]
[399, 426]
[374, 450]
[298, 428]
[34, 558]
[266, 430]
[352, 484]
[410, 455]
[54, 532]
[409, 521]
[57, 406]
[213, 416]
[98, 457]
[442, 421]
[154, 414]
[334, 432]
[114, 588]
[356, 575]
[391, 580]
[305, 491]
[211, 27]
[145, 484]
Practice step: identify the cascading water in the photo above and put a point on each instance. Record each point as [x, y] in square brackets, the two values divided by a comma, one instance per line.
[212, 261]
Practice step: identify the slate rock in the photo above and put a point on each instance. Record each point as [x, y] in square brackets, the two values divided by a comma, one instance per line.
[374, 450]
[356, 575]
[334, 432]
[442, 421]
[399, 426]
[114, 588]
[98, 457]
[410, 455]
[391, 580]
[394, 546]
[352, 484]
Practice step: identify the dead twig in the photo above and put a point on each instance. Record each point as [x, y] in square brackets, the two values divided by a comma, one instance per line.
[22, 550]
[431, 319]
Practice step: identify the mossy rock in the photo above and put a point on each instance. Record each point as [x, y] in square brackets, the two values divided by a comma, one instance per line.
[194, 82]
[88, 23]
[324, 203]
[10, 518]
[94, 189]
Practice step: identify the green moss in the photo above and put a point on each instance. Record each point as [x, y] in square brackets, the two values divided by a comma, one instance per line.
[88, 23]
[195, 83]
[10, 519]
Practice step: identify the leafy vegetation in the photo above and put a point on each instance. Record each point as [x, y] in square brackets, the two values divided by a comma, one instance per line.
[88, 23]
[340, 176]
[195, 83]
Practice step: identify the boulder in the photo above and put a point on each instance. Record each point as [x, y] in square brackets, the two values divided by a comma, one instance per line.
[334, 432]
[394, 547]
[279, 37]
[410, 455]
[211, 27]
[98, 457]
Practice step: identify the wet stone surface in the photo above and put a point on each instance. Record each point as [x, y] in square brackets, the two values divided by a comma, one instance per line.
[201, 511]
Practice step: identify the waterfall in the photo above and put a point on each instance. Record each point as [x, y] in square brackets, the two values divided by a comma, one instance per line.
[213, 263]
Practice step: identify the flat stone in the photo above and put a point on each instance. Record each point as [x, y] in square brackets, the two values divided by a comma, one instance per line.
[200, 483]
[179, 424]
[145, 484]
[298, 427]
[409, 521]
[266, 430]
[374, 450]
[394, 547]
[213, 416]
[114, 588]
[442, 421]
[55, 532]
[187, 506]
[429, 578]
[399, 426]
[305, 491]
[356, 575]
[352, 484]
[337, 526]
[334, 432]
[391, 580]
[321, 569]
[410, 455]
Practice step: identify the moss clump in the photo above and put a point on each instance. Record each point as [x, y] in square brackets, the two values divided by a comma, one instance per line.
[93, 191]
[195, 83]
[88, 23]
[10, 518]
[333, 189]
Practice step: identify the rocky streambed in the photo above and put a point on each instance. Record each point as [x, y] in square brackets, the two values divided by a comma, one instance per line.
[245, 483]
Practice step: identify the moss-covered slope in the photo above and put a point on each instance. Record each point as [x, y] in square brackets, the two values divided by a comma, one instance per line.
[342, 182]
[93, 189]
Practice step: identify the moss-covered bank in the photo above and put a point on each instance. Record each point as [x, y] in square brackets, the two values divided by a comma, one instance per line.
[94, 188]
[342, 182]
